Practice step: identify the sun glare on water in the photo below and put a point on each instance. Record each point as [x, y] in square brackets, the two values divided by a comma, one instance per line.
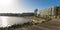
[4, 21]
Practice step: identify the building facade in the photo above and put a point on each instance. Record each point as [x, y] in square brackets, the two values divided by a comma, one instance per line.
[50, 11]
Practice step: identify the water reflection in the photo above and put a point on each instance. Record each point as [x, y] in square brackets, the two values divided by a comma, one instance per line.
[6, 21]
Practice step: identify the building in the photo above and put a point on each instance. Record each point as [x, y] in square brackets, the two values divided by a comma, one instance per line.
[53, 11]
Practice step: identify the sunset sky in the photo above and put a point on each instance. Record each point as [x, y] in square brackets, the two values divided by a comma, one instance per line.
[20, 6]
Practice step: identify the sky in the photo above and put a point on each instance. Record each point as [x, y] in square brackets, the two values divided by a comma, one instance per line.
[20, 6]
[31, 5]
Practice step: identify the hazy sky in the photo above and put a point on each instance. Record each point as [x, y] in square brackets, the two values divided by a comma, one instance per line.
[18, 6]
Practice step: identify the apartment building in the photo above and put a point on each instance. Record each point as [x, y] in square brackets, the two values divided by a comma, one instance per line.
[53, 11]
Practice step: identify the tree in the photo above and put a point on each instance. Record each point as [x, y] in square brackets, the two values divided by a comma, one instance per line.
[35, 12]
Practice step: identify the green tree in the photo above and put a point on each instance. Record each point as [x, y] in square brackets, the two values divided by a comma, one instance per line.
[35, 12]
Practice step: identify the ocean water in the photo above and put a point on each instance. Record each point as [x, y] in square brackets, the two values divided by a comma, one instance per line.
[6, 21]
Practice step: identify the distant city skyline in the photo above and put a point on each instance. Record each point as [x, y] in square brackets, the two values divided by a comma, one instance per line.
[20, 6]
